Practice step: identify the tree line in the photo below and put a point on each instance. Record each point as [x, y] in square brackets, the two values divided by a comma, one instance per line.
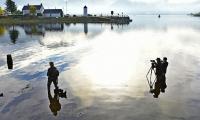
[11, 7]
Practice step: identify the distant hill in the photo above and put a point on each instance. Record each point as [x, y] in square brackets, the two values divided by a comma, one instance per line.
[196, 14]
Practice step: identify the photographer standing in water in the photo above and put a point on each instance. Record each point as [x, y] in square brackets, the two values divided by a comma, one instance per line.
[161, 69]
[52, 74]
[158, 69]
[158, 66]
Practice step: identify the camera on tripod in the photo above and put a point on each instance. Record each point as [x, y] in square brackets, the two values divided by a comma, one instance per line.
[60, 93]
[153, 63]
[151, 74]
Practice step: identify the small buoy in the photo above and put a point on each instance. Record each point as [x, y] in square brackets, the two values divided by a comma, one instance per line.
[9, 61]
[159, 16]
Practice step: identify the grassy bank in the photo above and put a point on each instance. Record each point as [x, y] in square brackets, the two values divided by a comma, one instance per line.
[35, 20]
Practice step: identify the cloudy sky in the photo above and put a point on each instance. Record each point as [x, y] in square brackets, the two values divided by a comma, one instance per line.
[126, 6]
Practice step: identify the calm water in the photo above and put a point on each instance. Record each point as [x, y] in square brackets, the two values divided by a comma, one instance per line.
[102, 68]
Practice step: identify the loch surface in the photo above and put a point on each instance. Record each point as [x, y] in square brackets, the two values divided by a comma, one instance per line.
[103, 68]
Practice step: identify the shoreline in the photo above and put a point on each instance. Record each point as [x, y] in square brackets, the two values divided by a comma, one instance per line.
[35, 20]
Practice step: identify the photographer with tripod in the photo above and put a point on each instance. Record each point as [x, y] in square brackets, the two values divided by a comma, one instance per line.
[159, 68]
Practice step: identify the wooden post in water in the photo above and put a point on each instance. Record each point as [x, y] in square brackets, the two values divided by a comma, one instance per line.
[9, 61]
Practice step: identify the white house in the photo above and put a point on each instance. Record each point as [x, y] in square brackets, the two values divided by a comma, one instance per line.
[39, 9]
[53, 13]
[85, 11]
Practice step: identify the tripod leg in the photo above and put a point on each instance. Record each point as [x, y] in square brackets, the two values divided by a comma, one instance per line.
[148, 78]
[148, 72]
[155, 78]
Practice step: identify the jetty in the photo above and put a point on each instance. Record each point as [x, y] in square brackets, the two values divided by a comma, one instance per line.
[13, 19]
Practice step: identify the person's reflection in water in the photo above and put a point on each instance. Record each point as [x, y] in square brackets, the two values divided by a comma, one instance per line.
[54, 105]
[158, 78]
[164, 70]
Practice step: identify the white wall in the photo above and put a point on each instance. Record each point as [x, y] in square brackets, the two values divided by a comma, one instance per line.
[41, 10]
[25, 12]
[52, 15]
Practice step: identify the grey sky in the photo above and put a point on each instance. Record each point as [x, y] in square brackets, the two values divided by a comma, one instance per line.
[126, 6]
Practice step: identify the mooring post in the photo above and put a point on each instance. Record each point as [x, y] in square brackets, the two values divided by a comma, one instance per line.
[9, 61]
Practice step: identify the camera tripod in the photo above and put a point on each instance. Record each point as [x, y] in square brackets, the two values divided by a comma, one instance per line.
[149, 78]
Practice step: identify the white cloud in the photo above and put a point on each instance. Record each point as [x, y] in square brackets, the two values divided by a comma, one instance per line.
[181, 1]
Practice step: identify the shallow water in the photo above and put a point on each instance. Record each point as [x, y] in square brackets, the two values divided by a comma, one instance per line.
[102, 68]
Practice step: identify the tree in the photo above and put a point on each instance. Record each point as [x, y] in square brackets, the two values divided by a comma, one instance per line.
[10, 6]
[18, 12]
[32, 9]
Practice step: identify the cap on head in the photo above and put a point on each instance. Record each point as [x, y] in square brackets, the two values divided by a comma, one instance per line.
[158, 59]
[51, 64]
[165, 58]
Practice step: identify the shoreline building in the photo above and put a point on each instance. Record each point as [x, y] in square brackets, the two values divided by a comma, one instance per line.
[85, 11]
[39, 9]
[53, 13]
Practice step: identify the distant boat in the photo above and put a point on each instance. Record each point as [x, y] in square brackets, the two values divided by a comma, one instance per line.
[159, 16]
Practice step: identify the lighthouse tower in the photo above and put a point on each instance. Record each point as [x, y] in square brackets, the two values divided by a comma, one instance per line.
[85, 11]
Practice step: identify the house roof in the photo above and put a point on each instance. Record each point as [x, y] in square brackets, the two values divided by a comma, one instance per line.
[53, 11]
[38, 7]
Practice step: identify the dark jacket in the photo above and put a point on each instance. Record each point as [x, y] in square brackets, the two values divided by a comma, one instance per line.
[158, 69]
[53, 73]
[164, 67]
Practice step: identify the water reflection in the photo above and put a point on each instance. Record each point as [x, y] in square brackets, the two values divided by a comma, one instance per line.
[112, 27]
[54, 102]
[86, 28]
[14, 34]
[43, 31]
[54, 27]
[105, 71]
[34, 30]
[54, 105]
[2, 30]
